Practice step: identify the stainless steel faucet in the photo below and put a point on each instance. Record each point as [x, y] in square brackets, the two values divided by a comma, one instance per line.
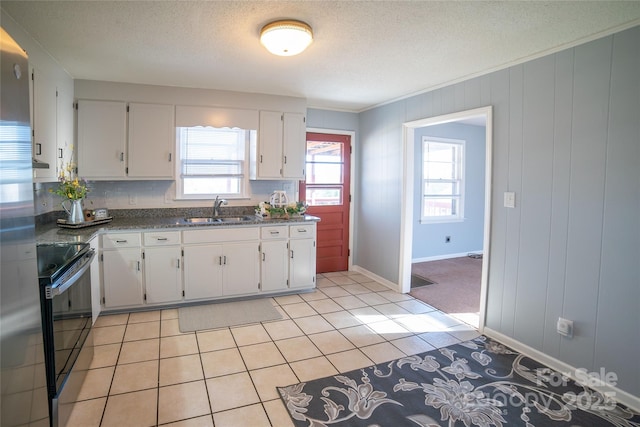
[216, 205]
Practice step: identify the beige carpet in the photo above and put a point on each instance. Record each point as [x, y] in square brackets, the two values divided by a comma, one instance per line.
[457, 284]
[212, 316]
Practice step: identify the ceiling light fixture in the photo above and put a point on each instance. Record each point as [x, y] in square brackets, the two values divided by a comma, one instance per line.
[286, 37]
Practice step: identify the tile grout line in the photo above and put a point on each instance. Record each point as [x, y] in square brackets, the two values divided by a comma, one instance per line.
[307, 335]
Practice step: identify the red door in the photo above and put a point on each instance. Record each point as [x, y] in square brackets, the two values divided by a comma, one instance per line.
[326, 191]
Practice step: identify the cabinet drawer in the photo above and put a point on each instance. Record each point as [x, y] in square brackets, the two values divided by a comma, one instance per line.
[271, 233]
[302, 230]
[120, 240]
[222, 235]
[161, 238]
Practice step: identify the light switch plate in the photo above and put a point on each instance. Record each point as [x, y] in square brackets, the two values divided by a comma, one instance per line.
[509, 199]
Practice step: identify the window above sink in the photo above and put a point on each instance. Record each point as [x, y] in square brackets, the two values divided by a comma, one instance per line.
[212, 161]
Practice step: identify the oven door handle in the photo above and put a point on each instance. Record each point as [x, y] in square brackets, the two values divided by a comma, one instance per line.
[52, 291]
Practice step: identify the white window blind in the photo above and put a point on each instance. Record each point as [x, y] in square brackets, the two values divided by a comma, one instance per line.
[211, 162]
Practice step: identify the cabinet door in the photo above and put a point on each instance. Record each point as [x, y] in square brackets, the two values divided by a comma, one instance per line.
[302, 263]
[294, 145]
[274, 265]
[96, 285]
[202, 271]
[270, 145]
[64, 111]
[102, 135]
[163, 274]
[44, 124]
[241, 268]
[122, 278]
[151, 141]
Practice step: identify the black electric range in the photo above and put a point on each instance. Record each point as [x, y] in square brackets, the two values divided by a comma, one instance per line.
[65, 298]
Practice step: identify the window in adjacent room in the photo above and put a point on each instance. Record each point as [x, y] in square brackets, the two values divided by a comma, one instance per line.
[212, 162]
[442, 180]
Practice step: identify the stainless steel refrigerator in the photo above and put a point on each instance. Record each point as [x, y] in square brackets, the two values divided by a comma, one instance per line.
[23, 385]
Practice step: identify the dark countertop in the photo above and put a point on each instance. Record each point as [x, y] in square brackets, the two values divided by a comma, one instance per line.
[47, 230]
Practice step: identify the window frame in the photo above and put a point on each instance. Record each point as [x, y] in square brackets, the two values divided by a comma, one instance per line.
[459, 178]
[251, 134]
[339, 185]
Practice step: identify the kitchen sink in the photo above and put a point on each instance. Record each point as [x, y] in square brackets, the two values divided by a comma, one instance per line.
[211, 220]
[236, 218]
[202, 220]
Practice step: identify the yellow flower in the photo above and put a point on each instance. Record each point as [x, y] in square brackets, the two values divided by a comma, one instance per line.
[70, 186]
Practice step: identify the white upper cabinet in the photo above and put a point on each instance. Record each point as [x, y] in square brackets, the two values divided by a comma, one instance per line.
[281, 146]
[65, 113]
[105, 152]
[44, 127]
[102, 134]
[151, 141]
[294, 143]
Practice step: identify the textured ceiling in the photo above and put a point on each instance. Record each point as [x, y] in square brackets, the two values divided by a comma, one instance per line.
[364, 54]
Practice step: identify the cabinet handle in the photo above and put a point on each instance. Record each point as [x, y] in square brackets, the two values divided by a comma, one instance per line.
[220, 260]
[291, 254]
[121, 241]
[260, 158]
[274, 233]
[138, 265]
[178, 263]
[38, 149]
[263, 256]
[161, 239]
[301, 230]
[169, 156]
[122, 157]
[59, 153]
[285, 160]
[225, 260]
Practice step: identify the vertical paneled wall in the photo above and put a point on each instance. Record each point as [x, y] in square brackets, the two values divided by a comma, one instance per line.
[566, 140]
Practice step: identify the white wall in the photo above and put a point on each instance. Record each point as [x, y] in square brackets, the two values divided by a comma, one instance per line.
[567, 142]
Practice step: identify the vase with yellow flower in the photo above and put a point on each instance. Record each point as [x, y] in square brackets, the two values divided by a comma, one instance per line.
[73, 190]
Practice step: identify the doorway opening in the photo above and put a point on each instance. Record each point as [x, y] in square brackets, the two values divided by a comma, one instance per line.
[327, 192]
[410, 220]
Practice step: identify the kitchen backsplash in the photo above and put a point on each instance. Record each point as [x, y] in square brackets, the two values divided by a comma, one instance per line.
[151, 194]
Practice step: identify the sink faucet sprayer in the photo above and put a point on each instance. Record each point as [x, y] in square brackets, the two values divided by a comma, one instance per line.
[217, 204]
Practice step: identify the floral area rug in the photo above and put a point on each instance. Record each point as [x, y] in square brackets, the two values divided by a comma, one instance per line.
[475, 383]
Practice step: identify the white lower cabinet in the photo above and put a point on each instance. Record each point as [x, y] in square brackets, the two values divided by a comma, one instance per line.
[302, 256]
[274, 266]
[162, 267]
[163, 274]
[96, 292]
[240, 269]
[169, 267]
[220, 263]
[122, 270]
[202, 272]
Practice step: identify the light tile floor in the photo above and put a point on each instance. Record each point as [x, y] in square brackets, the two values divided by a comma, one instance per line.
[146, 373]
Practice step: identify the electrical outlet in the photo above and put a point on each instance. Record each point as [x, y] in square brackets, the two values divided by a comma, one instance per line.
[447, 239]
[565, 327]
[509, 199]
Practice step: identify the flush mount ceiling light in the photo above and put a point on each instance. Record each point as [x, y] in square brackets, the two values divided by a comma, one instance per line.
[286, 37]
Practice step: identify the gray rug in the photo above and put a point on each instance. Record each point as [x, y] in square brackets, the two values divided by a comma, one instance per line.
[212, 316]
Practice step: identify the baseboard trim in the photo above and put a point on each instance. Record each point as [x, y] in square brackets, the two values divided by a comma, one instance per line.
[392, 286]
[441, 257]
[619, 395]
